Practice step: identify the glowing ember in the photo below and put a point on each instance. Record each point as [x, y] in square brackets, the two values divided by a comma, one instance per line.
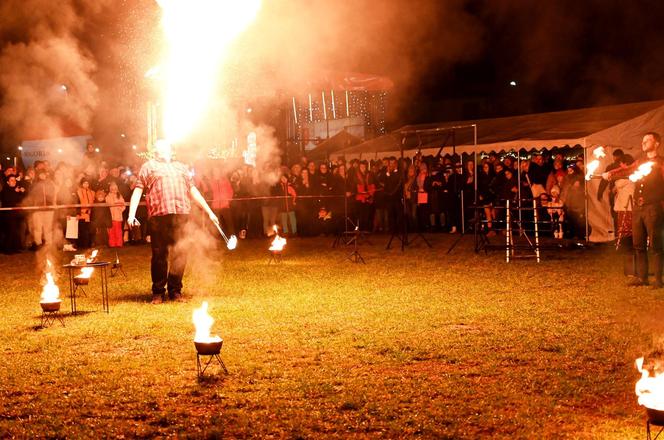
[642, 171]
[198, 35]
[86, 272]
[203, 323]
[279, 242]
[594, 164]
[650, 388]
[50, 292]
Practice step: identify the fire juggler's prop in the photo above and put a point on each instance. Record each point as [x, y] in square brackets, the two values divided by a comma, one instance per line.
[592, 166]
[231, 243]
[276, 247]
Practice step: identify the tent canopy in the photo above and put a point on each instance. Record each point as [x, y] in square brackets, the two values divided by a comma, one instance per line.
[613, 126]
[339, 141]
[616, 125]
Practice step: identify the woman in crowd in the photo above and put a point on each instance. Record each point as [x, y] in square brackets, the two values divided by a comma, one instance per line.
[85, 197]
[115, 199]
[421, 189]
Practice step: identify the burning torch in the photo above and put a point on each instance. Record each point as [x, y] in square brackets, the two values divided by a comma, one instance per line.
[598, 153]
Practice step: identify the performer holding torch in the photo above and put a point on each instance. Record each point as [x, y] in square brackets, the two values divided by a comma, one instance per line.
[647, 212]
[169, 190]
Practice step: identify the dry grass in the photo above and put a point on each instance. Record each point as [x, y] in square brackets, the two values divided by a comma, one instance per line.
[415, 344]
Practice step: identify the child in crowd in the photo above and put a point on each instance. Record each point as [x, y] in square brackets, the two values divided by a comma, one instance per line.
[115, 230]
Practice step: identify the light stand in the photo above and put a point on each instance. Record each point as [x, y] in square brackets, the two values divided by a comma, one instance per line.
[404, 212]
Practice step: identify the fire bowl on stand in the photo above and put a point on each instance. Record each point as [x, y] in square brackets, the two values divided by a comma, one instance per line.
[655, 416]
[53, 306]
[209, 351]
[51, 313]
[81, 281]
[208, 348]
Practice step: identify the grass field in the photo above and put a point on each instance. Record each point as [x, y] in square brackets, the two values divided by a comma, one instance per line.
[414, 344]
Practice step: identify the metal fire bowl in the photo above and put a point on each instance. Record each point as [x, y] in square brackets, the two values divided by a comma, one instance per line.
[50, 306]
[277, 252]
[208, 348]
[81, 281]
[655, 416]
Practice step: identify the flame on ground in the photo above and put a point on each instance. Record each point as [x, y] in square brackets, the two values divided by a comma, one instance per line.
[197, 37]
[642, 171]
[650, 389]
[50, 292]
[279, 242]
[594, 164]
[203, 323]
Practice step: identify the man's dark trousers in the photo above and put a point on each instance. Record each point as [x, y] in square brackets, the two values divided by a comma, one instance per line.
[647, 224]
[166, 231]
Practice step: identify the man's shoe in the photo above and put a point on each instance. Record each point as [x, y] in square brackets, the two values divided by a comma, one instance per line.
[637, 282]
[177, 297]
[657, 285]
[157, 299]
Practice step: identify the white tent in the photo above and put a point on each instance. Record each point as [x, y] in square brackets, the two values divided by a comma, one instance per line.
[615, 126]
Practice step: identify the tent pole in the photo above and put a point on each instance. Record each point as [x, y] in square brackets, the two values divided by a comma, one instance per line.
[585, 187]
[476, 164]
[518, 176]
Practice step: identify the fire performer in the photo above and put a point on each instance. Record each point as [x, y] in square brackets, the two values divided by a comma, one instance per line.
[169, 190]
[647, 212]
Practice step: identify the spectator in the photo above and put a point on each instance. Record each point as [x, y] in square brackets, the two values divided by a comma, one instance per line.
[11, 196]
[42, 193]
[303, 206]
[115, 232]
[364, 197]
[421, 189]
[287, 204]
[85, 197]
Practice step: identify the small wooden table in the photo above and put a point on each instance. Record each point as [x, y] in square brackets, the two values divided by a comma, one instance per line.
[74, 286]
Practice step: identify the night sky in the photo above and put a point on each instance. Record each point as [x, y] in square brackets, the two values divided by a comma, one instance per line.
[563, 54]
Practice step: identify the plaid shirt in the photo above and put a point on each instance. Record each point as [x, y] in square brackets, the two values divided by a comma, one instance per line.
[167, 187]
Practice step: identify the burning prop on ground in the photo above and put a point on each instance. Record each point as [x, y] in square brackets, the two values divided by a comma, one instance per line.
[50, 295]
[277, 246]
[598, 153]
[50, 299]
[650, 388]
[206, 345]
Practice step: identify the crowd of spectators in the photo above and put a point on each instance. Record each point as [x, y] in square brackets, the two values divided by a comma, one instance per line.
[307, 198]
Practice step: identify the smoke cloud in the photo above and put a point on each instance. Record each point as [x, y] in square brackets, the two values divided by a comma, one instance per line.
[100, 50]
